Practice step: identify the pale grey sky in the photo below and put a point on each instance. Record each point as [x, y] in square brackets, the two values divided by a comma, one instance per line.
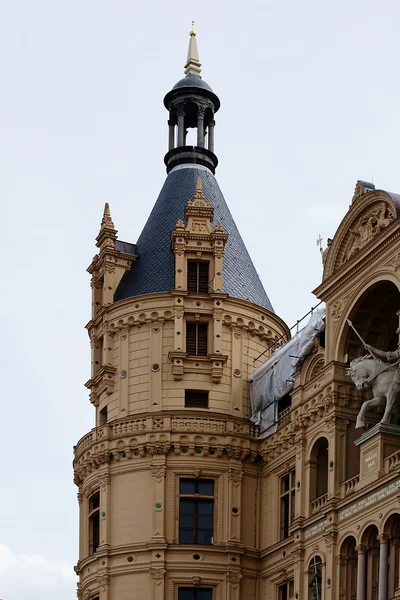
[309, 104]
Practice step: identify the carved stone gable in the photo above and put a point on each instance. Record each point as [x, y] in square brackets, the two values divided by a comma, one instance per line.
[368, 225]
[371, 212]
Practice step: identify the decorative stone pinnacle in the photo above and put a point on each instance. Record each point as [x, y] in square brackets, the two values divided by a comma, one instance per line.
[199, 199]
[107, 222]
[192, 63]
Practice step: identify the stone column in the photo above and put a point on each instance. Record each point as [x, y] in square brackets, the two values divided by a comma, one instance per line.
[105, 507]
[235, 474]
[211, 126]
[81, 524]
[361, 574]
[171, 139]
[200, 128]
[181, 128]
[394, 563]
[158, 471]
[233, 584]
[124, 372]
[383, 566]
[106, 359]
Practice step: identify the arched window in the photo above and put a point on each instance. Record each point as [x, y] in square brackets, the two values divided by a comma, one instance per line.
[370, 543]
[319, 474]
[315, 578]
[392, 531]
[374, 316]
[348, 569]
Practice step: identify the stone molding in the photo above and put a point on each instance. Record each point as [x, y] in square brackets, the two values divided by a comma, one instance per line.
[160, 435]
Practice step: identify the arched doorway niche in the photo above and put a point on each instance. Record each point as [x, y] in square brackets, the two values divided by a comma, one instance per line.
[391, 537]
[318, 474]
[369, 573]
[348, 568]
[374, 316]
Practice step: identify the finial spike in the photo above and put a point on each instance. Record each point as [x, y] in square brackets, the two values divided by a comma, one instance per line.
[193, 64]
[199, 185]
[107, 222]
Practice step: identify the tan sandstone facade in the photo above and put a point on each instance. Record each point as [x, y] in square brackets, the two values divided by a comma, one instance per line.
[305, 513]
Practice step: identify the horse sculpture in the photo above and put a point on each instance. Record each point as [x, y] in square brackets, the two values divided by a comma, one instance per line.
[381, 378]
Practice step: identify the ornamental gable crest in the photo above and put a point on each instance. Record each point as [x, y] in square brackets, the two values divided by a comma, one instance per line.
[370, 213]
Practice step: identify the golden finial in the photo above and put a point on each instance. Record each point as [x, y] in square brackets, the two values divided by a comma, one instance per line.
[192, 33]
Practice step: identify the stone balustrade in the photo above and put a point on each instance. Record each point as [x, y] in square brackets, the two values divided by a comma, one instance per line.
[318, 504]
[350, 485]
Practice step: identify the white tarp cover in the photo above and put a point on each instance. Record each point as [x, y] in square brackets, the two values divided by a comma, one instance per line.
[273, 379]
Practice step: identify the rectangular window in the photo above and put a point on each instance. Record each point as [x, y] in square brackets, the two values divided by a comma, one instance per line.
[196, 511]
[103, 416]
[195, 594]
[287, 496]
[197, 279]
[196, 338]
[286, 591]
[196, 399]
[94, 522]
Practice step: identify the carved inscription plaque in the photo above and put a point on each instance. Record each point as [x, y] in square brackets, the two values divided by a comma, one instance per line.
[370, 461]
[355, 508]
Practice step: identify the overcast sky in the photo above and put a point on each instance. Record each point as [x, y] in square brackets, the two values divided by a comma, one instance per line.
[309, 104]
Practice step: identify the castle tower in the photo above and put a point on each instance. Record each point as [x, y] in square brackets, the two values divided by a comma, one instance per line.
[176, 321]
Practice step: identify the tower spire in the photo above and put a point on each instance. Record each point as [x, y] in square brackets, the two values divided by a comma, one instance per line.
[193, 64]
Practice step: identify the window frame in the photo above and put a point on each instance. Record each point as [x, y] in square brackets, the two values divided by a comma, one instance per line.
[196, 498]
[196, 342]
[195, 590]
[198, 278]
[94, 523]
[286, 590]
[204, 393]
[287, 502]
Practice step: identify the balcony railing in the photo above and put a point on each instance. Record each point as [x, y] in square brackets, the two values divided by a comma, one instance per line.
[284, 417]
[392, 462]
[350, 485]
[318, 504]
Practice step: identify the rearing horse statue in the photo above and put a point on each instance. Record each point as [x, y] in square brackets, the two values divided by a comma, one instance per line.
[382, 377]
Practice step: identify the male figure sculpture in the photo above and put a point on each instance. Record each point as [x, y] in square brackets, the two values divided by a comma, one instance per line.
[384, 379]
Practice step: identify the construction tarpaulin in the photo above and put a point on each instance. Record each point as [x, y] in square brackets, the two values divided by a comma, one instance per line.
[274, 379]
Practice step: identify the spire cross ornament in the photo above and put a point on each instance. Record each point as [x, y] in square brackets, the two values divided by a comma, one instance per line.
[319, 241]
[193, 64]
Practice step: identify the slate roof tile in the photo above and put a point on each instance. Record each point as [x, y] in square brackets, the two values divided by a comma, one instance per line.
[154, 269]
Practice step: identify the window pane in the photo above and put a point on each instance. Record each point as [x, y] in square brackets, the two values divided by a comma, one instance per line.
[187, 521]
[206, 507]
[185, 594]
[205, 522]
[284, 484]
[186, 506]
[187, 486]
[204, 536]
[186, 536]
[206, 488]
[204, 595]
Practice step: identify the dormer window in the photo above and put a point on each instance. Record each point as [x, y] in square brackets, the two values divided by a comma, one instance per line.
[198, 277]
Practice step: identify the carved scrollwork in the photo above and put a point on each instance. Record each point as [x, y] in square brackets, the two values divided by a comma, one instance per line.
[338, 308]
[235, 475]
[158, 471]
[234, 577]
[394, 262]
[369, 224]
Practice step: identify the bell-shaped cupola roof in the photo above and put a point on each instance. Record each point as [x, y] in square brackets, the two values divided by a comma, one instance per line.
[191, 104]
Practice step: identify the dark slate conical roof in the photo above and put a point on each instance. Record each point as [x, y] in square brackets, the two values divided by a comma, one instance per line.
[154, 269]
